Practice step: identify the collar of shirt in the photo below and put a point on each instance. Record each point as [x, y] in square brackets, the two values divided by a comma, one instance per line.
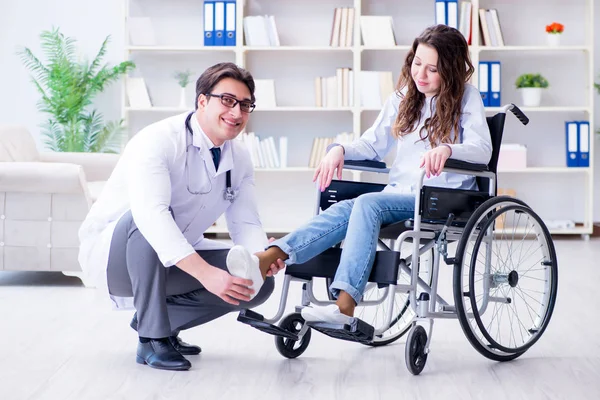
[203, 142]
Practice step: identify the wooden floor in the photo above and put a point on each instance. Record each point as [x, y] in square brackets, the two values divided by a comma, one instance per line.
[60, 340]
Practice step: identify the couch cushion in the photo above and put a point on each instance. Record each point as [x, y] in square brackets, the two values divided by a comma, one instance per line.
[17, 144]
[95, 188]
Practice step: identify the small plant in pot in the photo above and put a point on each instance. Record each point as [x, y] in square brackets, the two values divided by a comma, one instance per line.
[531, 86]
[183, 79]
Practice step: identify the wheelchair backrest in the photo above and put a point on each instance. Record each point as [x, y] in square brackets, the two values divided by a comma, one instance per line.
[344, 190]
[496, 125]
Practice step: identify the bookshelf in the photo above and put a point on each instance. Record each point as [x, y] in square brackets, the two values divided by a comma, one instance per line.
[305, 53]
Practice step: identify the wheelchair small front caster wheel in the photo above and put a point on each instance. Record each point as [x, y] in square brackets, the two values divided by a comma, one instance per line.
[290, 348]
[415, 354]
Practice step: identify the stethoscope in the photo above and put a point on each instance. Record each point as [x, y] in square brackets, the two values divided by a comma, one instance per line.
[228, 193]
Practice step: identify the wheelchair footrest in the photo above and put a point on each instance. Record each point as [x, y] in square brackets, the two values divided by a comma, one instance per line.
[256, 320]
[356, 331]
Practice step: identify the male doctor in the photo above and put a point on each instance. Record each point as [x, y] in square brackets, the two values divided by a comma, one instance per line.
[143, 238]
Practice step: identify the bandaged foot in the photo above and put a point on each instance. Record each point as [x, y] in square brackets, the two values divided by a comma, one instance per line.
[330, 314]
[242, 264]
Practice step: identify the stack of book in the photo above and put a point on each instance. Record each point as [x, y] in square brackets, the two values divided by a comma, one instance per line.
[342, 29]
[335, 91]
[264, 153]
[377, 31]
[260, 30]
[319, 147]
[491, 33]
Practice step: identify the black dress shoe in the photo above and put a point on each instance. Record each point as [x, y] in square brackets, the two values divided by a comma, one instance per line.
[184, 348]
[160, 354]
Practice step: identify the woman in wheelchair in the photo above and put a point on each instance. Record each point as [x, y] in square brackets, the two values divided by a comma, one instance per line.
[434, 114]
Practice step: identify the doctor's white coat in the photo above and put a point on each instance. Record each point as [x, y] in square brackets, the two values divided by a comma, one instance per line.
[151, 178]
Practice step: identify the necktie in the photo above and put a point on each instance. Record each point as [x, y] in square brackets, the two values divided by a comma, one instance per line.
[216, 153]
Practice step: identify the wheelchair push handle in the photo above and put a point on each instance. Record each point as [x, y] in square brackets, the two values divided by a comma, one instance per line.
[517, 112]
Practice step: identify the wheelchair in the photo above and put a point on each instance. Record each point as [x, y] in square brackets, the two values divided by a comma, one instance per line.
[504, 270]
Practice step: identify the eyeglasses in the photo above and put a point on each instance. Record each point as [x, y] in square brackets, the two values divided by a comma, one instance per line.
[230, 101]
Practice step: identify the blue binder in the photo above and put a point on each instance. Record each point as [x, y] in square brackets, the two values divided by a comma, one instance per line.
[230, 22]
[452, 13]
[209, 22]
[572, 136]
[584, 143]
[494, 83]
[440, 12]
[446, 12]
[484, 82]
[219, 23]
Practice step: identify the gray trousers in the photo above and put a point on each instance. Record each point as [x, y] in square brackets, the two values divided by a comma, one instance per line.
[167, 300]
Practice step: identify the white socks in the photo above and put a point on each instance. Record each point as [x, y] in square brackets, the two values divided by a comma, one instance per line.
[242, 264]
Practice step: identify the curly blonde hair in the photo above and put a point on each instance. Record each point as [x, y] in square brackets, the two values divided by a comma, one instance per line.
[455, 69]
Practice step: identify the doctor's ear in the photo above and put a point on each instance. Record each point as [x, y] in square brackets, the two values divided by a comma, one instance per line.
[201, 101]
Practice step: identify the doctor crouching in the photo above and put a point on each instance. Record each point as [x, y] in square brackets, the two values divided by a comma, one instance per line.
[143, 238]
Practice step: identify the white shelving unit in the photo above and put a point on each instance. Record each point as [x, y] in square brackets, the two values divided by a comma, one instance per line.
[304, 54]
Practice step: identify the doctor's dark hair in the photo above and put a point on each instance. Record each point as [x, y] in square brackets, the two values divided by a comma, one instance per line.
[455, 69]
[213, 75]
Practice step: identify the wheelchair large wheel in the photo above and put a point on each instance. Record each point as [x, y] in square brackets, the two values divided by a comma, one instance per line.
[505, 278]
[290, 348]
[402, 312]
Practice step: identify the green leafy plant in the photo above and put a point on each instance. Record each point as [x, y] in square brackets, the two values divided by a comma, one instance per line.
[182, 77]
[531, 81]
[67, 86]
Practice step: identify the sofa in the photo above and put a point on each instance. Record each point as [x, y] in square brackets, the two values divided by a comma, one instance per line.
[44, 197]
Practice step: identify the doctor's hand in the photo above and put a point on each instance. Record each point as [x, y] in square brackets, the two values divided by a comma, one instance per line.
[435, 159]
[229, 288]
[333, 160]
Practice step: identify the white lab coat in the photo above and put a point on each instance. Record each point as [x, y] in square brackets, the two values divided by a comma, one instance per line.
[151, 177]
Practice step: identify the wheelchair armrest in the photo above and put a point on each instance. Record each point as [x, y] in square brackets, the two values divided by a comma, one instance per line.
[366, 165]
[467, 166]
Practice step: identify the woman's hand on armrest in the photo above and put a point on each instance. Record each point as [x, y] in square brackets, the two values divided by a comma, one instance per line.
[333, 160]
[434, 160]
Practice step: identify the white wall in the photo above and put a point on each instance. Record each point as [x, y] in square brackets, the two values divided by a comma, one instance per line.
[21, 22]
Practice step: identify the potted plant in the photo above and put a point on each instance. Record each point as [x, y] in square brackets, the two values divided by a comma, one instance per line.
[554, 31]
[183, 79]
[530, 86]
[68, 85]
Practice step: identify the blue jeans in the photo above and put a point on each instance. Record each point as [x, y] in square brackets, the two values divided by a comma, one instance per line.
[357, 222]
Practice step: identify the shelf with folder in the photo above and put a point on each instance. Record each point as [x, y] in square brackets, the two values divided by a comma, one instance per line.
[179, 49]
[305, 53]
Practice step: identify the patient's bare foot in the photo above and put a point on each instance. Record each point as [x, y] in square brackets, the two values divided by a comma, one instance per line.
[346, 304]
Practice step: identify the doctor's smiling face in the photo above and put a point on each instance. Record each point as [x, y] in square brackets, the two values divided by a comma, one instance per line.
[225, 100]
[219, 121]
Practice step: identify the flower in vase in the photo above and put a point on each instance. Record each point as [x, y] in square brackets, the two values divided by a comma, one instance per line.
[555, 28]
